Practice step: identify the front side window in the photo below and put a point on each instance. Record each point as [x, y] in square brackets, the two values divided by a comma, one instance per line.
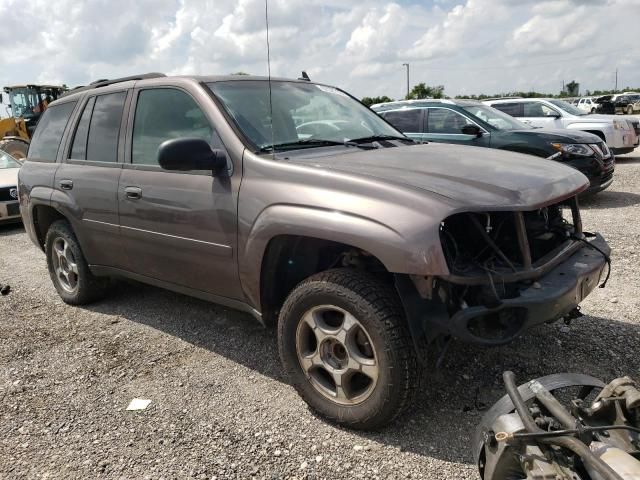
[104, 128]
[48, 135]
[407, 120]
[495, 117]
[535, 109]
[304, 114]
[165, 114]
[513, 108]
[444, 120]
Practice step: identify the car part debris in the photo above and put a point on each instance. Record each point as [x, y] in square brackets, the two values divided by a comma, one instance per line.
[138, 404]
[562, 427]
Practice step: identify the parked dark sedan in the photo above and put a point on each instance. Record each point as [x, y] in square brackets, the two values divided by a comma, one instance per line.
[468, 122]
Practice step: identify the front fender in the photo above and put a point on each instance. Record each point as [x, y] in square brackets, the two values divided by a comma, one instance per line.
[397, 253]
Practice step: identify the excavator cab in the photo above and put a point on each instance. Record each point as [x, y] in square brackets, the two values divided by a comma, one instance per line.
[25, 104]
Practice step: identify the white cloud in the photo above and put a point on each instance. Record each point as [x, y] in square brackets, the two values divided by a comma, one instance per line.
[470, 46]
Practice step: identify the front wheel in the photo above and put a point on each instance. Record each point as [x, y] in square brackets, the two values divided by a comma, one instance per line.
[629, 110]
[345, 344]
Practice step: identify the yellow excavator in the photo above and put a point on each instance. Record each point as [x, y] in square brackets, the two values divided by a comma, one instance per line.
[25, 104]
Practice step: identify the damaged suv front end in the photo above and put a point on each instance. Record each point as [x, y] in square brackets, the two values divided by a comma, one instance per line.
[508, 271]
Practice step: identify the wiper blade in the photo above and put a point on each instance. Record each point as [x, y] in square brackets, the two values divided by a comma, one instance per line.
[373, 138]
[311, 142]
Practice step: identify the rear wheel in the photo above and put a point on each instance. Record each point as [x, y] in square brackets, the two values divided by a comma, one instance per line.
[344, 342]
[15, 148]
[593, 110]
[68, 268]
[629, 109]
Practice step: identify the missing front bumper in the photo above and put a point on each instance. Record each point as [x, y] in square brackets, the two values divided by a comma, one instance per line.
[549, 298]
[554, 294]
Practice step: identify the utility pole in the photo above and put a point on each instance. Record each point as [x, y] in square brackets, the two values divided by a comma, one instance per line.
[616, 89]
[407, 65]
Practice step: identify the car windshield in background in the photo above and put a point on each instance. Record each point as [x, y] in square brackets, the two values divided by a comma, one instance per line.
[8, 162]
[496, 118]
[304, 114]
[567, 107]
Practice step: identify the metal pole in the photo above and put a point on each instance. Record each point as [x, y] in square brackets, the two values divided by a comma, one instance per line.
[616, 89]
[407, 65]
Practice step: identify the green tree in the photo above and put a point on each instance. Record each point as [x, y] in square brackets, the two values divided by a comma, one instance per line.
[422, 90]
[368, 101]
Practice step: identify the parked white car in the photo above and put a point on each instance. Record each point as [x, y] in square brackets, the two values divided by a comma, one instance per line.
[587, 104]
[9, 206]
[620, 133]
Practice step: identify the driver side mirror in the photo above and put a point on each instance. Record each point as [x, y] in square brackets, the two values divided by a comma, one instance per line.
[552, 115]
[472, 130]
[184, 154]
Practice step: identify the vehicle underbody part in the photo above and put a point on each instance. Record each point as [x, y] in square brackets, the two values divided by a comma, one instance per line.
[561, 427]
[508, 272]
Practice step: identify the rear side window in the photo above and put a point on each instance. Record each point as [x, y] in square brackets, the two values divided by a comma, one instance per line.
[104, 127]
[48, 135]
[164, 114]
[407, 121]
[513, 109]
[79, 148]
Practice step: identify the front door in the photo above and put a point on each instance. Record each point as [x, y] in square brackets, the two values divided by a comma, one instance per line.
[177, 227]
[540, 115]
[445, 125]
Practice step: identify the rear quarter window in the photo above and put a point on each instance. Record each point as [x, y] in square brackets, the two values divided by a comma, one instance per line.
[48, 135]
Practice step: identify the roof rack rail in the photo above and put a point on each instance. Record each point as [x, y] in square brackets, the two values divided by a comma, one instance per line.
[104, 81]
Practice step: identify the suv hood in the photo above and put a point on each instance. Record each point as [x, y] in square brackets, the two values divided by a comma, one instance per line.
[560, 135]
[473, 177]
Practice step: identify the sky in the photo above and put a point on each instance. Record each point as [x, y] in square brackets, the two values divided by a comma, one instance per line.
[469, 46]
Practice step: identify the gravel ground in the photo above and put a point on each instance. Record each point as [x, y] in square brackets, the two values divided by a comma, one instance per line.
[220, 407]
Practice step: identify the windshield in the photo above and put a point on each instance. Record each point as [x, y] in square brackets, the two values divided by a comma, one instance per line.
[567, 107]
[7, 161]
[304, 114]
[496, 118]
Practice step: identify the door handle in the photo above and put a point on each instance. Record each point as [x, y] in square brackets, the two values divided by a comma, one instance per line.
[133, 193]
[66, 184]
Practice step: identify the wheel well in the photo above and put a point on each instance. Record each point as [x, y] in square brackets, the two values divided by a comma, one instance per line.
[289, 259]
[598, 133]
[43, 217]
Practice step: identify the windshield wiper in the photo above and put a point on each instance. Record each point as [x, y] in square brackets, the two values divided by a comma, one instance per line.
[312, 142]
[373, 138]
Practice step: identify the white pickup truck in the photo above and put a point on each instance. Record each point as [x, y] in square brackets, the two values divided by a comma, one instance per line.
[620, 133]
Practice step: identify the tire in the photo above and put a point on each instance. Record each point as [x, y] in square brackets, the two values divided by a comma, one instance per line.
[378, 343]
[15, 148]
[593, 110]
[68, 268]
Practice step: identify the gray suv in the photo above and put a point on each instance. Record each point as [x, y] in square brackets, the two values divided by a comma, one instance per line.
[294, 202]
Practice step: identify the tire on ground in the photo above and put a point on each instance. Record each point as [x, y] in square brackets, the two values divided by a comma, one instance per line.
[378, 309]
[89, 287]
[15, 148]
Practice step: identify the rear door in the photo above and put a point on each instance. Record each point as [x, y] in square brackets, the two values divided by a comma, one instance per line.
[179, 228]
[445, 125]
[87, 180]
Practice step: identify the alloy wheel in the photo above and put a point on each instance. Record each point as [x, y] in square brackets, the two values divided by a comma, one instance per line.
[65, 265]
[337, 355]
